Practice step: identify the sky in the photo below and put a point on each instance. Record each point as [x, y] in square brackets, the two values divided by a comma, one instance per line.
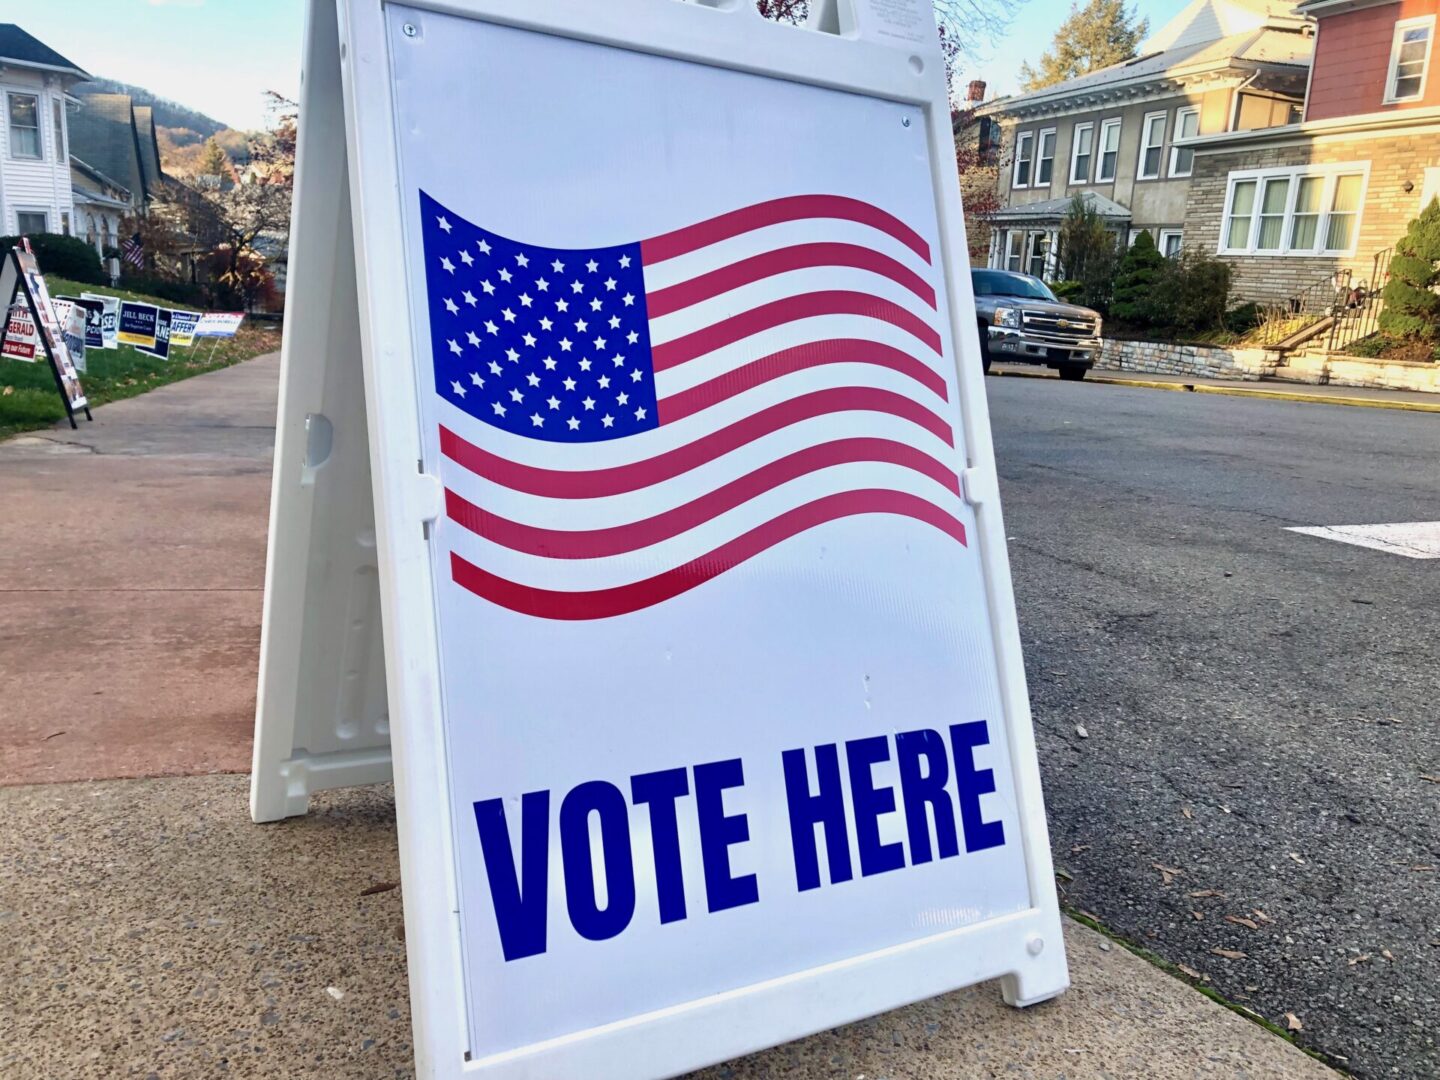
[219, 56]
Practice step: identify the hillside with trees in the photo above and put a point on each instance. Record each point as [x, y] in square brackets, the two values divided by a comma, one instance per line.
[182, 132]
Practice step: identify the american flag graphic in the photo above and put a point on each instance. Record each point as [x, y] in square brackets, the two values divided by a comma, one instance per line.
[623, 424]
[133, 252]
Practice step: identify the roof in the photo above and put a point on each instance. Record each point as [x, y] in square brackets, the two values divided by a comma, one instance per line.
[87, 178]
[149, 148]
[18, 47]
[1207, 36]
[1054, 209]
[102, 133]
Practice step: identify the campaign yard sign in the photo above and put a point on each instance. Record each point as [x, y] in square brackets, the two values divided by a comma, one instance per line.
[182, 327]
[161, 345]
[109, 318]
[138, 324]
[94, 310]
[219, 323]
[672, 487]
[20, 337]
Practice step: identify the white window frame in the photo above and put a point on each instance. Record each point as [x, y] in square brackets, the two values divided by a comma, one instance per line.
[1113, 124]
[1427, 21]
[41, 211]
[1031, 236]
[1089, 126]
[1040, 137]
[57, 121]
[39, 155]
[1021, 140]
[1014, 249]
[1329, 173]
[1188, 110]
[1145, 124]
[1166, 234]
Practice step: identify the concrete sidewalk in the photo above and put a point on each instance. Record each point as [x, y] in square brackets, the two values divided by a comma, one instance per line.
[1275, 389]
[148, 929]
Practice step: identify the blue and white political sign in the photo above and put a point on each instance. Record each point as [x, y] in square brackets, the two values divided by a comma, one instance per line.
[705, 664]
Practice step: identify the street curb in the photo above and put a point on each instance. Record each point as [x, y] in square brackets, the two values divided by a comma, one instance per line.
[1242, 391]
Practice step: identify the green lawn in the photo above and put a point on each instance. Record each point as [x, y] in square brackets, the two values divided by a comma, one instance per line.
[28, 395]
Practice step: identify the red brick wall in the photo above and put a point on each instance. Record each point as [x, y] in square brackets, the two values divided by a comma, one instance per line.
[1352, 58]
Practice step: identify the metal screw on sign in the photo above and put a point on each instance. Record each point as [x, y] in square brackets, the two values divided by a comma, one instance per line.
[1036, 945]
[904, 121]
[410, 29]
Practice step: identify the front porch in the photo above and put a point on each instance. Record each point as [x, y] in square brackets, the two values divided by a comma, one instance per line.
[1025, 238]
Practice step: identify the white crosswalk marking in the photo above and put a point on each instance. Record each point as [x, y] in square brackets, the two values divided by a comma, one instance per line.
[1413, 539]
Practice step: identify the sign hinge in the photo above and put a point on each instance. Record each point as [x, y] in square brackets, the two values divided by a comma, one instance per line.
[978, 486]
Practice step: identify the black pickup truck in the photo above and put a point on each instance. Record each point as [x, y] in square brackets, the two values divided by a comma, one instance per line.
[1021, 320]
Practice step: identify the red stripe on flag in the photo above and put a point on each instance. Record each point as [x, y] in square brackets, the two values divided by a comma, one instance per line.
[599, 543]
[793, 208]
[769, 263]
[623, 599]
[791, 309]
[593, 483]
[787, 361]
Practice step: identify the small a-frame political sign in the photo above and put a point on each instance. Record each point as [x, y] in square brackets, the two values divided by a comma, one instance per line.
[635, 505]
[20, 277]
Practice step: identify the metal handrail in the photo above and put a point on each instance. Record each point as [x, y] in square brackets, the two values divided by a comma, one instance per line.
[1359, 315]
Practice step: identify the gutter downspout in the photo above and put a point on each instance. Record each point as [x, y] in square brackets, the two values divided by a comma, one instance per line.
[1235, 98]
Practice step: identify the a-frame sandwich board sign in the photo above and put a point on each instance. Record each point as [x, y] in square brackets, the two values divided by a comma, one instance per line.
[20, 276]
[632, 420]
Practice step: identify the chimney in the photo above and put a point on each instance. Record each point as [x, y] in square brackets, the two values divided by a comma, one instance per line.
[975, 92]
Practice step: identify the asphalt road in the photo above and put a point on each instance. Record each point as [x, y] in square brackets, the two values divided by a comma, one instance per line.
[1259, 706]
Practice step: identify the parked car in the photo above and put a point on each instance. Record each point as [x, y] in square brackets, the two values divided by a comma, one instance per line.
[1021, 319]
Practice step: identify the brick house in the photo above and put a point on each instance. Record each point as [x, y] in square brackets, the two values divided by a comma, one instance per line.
[1326, 198]
[1118, 137]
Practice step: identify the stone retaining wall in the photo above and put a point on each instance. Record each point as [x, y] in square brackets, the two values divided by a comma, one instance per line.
[1202, 361]
[1362, 371]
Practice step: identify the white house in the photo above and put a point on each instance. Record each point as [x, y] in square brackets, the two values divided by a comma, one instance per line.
[35, 182]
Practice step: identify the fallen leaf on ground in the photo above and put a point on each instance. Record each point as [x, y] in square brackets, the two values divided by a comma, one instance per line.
[1075, 849]
[1422, 869]
[1191, 972]
[1198, 915]
[1359, 959]
[1080, 730]
[1240, 920]
[383, 886]
[1167, 873]
[1229, 954]
[1292, 1022]
[1199, 893]
[1187, 811]
[1387, 954]
[1432, 779]
[1262, 916]
[1297, 858]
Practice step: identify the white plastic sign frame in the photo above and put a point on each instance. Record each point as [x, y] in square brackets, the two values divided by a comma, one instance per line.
[352, 514]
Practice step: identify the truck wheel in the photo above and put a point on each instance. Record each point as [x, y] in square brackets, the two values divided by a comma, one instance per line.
[985, 348]
[1073, 372]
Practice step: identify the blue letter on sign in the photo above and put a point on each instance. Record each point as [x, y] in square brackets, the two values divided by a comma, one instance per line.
[660, 790]
[585, 914]
[920, 790]
[826, 807]
[861, 755]
[519, 909]
[718, 832]
[971, 783]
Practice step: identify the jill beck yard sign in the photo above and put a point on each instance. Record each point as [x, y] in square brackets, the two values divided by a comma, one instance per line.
[663, 541]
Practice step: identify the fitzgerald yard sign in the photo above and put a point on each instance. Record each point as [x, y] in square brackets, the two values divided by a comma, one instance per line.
[662, 548]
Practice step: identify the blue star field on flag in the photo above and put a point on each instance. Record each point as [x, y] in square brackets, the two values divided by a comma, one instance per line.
[548, 343]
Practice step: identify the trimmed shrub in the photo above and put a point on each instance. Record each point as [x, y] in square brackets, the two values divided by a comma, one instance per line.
[1412, 305]
[64, 256]
[1137, 282]
[1194, 290]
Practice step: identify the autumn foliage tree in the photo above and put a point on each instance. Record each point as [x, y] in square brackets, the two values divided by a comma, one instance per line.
[1101, 33]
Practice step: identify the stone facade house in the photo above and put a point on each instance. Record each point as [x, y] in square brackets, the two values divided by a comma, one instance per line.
[1119, 136]
[1308, 205]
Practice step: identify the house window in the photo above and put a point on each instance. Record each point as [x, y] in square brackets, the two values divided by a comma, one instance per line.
[1306, 210]
[1409, 59]
[1082, 150]
[1169, 242]
[1045, 158]
[59, 118]
[1152, 144]
[1037, 253]
[1013, 240]
[64, 224]
[1109, 151]
[1182, 158]
[29, 222]
[1024, 153]
[24, 126]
